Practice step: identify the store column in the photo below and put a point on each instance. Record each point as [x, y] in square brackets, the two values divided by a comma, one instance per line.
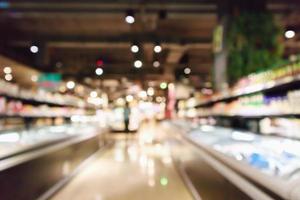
[220, 50]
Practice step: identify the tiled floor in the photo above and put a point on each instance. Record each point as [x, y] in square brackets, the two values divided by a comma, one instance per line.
[135, 168]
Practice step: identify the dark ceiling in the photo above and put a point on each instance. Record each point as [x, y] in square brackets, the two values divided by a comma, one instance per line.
[72, 35]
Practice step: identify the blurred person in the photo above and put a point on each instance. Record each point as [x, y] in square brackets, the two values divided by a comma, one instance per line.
[127, 112]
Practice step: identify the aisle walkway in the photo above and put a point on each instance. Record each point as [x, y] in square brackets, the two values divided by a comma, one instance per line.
[135, 168]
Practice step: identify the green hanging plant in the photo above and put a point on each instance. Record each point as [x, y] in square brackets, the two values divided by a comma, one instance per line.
[253, 44]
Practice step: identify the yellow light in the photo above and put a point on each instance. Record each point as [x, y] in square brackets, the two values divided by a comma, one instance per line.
[129, 98]
[163, 85]
[34, 78]
[7, 70]
[150, 91]
[164, 181]
[8, 77]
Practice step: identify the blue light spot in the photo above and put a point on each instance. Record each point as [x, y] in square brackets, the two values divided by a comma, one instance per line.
[4, 5]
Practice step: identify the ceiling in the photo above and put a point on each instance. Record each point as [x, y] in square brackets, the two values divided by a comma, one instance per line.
[72, 35]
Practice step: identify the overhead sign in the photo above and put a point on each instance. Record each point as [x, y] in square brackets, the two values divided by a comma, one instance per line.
[49, 81]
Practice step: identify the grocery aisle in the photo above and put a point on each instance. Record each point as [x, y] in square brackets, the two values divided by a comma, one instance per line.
[135, 167]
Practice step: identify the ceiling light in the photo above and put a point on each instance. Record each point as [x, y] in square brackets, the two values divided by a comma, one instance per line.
[70, 85]
[8, 77]
[156, 64]
[157, 49]
[34, 78]
[134, 49]
[129, 98]
[163, 85]
[93, 94]
[187, 70]
[150, 91]
[138, 64]
[34, 49]
[99, 71]
[289, 34]
[129, 19]
[7, 70]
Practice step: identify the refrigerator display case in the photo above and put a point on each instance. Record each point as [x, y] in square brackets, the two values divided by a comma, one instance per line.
[51, 155]
[270, 161]
[12, 142]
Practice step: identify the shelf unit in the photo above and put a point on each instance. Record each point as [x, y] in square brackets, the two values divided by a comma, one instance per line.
[248, 120]
[282, 84]
[254, 116]
[29, 119]
[38, 102]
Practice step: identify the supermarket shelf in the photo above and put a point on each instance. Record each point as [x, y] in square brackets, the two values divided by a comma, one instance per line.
[254, 116]
[32, 116]
[270, 86]
[38, 102]
[241, 119]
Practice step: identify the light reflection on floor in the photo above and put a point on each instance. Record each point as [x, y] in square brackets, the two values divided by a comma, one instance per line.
[137, 167]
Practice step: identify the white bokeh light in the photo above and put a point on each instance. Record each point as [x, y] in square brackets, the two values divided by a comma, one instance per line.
[156, 64]
[134, 49]
[157, 49]
[99, 71]
[34, 49]
[289, 34]
[70, 85]
[7, 70]
[187, 70]
[130, 19]
[93, 94]
[138, 64]
[8, 77]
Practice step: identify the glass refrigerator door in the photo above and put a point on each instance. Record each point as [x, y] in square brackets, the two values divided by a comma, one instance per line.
[274, 156]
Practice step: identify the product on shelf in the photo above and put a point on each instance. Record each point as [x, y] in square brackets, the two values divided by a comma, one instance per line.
[2, 105]
[17, 108]
[281, 126]
[257, 105]
[259, 81]
[13, 90]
